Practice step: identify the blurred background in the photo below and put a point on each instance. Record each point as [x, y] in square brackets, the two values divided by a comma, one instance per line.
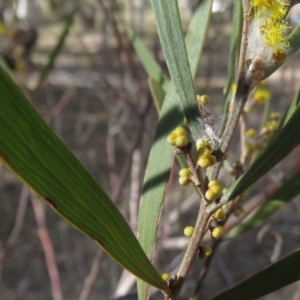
[78, 67]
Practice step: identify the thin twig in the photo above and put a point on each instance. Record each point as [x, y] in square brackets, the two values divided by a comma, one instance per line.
[243, 140]
[91, 278]
[135, 188]
[19, 217]
[47, 247]
[192, 249]
[135, 144]
[241, 96]
[19, 220]
[205, 269]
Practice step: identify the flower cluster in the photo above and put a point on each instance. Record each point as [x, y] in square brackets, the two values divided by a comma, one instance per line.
[206, 158]
[256, 141]
[271, 125]
[214, 190]
[267, 43]
[178, 137]
[184, 176]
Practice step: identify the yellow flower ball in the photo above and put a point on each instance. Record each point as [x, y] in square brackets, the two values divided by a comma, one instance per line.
[216, 189]
[180, 131]
[185, 172]
[201, 144]
[204, 252]
[217, 232]
[210, 196]
[184, 180]
[204, 99]
[181, 141]
[220, 215]
[165, 276]
[275, 116]
[205, 153]
[251, 133]
[188, 231]
[172, 139]
[213, 183]
[261, 95]
[204, 162]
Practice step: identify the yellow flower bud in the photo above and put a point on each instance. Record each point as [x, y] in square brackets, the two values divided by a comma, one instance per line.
[165, 276]
[216, 189]
[210, 196]
[185, 172]
[204, 162]
[217, 232]
[172, 139]
[251, 133]
[261, 95]
[205, 153]
[181, 141]
[184, 180]
[180, 131]
[275, 116]
[204, 252]
[213, 183]
[204, 99]
[188, 231]
[220, 215]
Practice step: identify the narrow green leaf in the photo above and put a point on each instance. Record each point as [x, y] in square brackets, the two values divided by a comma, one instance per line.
[157, 93]
[280, 146]
[172, 41]
[235, 42]
[30, 148]
[292, 107]
[283, 195]
[151, 66]
[57, 49]
[161, 153]
[270, 279]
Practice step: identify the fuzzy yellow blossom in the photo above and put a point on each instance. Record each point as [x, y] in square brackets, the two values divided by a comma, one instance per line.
[261, 96]
[276, 8]
[273, 31]
[267, 43]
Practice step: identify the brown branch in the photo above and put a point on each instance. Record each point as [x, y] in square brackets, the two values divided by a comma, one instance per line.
[191, 252]
[241, 96]
[135, 144]
[91, 278]
[19, 220]
[47, 247]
